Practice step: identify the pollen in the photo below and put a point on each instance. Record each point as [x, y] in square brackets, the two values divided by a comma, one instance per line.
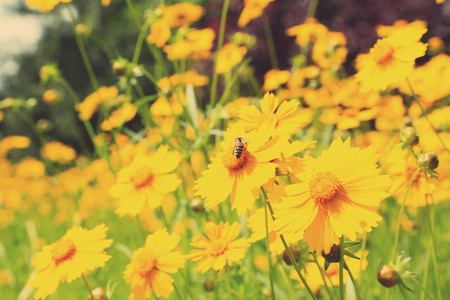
[142, 177]
[217, 247]
[144, 261]
[382, 52]
[64, 250]
[324, 186]
[231, 162]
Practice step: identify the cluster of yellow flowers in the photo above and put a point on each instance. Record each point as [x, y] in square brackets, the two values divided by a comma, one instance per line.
[239, 149]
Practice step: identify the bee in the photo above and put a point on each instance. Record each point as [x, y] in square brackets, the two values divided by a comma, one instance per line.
[240, 144]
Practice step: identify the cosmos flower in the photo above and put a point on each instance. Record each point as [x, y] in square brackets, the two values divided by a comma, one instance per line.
[339, 194]
[218, 246]
[391, 59]
[145, 181]
[78, 251]
[151, 265]
[240, 177]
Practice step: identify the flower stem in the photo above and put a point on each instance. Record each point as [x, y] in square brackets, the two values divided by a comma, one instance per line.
[223, 20]
[228, 282]
[341, 269]
[291, 257]
[323, 278]
[424, 113]
[178, 292]
[268, 253]
[312, 7]
[400, 213]
[270, 41]
[355, 284]
[87, 285]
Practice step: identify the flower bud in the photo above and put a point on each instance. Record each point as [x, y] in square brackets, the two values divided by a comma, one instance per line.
[431, 159]
[387, 276]
[43, 125]
[334, 255]
[118, 68]
[295, 255]
[197, 205]
[50, 96]
[208, 285]
[267, 292]
[98, 293]
[80, 29]
[410, 136]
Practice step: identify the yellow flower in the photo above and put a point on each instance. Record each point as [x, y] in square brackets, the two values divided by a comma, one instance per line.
[287, 116]
[150, 265]
[57, 151]
[218, 246]
[391, 59]
[13, 142]
[119, 117]
[274, 78]
[1, 115]
[50, 96]
[383, 30]
[252, 10]
[229, 56]
[235, 106]
[241, 177]
[90, 104]
[159, 33]
[43, 5]
[30, 167]
[197, 45]
[310, 31]
[78, 251]
[145, 181]
[339, 194]
[329, 50]
[183, 14]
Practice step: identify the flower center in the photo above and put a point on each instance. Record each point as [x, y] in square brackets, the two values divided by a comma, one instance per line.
[382, 52]
[141, 177]
[230, 160]
[217, 247]
[64, 250]
[324, 186]
[145, 261]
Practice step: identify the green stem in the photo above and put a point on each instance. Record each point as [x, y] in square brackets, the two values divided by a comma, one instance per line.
[139, 43]
[355, 284]
[84, 56]
[422, 288]
[223, 19]
[400, 213]
[178, 292]
[228, 282]
[270, 41]
[425, 272]
[312, 7]
[133, 12]
[323, 278]
[424, 113]
[291, 257]
[268, 253]
[433, 248]
[341, 269]
[282, 271]
[87, 285]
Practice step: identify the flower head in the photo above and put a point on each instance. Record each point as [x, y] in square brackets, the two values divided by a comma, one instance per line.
[78, 251]
[229, 56]
[391, 59]
[145, 181]
[57, 151]
[241, 177]
[150, 265]
[218, 246]
[339, 194]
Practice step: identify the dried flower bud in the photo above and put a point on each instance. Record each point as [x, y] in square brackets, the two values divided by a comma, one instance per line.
[410, 136]
[118, 68]
[197, 205]
[43, 125]
[387, 276]
[208, 285]
[431, 159]
[98, 293]
[334, 255]
[295, 254]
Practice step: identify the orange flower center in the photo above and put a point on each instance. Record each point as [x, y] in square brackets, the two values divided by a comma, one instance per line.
[64, 250]
[141, 177]
[145, 261]
[382, 52]
[231, 162]
[217, 247]
[324, 186]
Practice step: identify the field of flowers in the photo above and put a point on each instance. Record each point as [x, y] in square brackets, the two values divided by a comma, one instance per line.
[190, 177]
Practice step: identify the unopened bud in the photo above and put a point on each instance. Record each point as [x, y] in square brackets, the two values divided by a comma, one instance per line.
[267, 292]
[208, 285]
[196, 205]
[118, 68]
[43, 125]
[334, 255]
[431, 160]
[80, 29]
[295, 255]
[98, 293]
[410, 136]
[386, 276]
[50, 96]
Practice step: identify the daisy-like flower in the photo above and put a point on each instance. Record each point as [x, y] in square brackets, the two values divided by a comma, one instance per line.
[145, 181]
[241, 177]
[150, 265]
[287, 116]
[339, 194]
[218, 246]
[391, 59]
[78, 251]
